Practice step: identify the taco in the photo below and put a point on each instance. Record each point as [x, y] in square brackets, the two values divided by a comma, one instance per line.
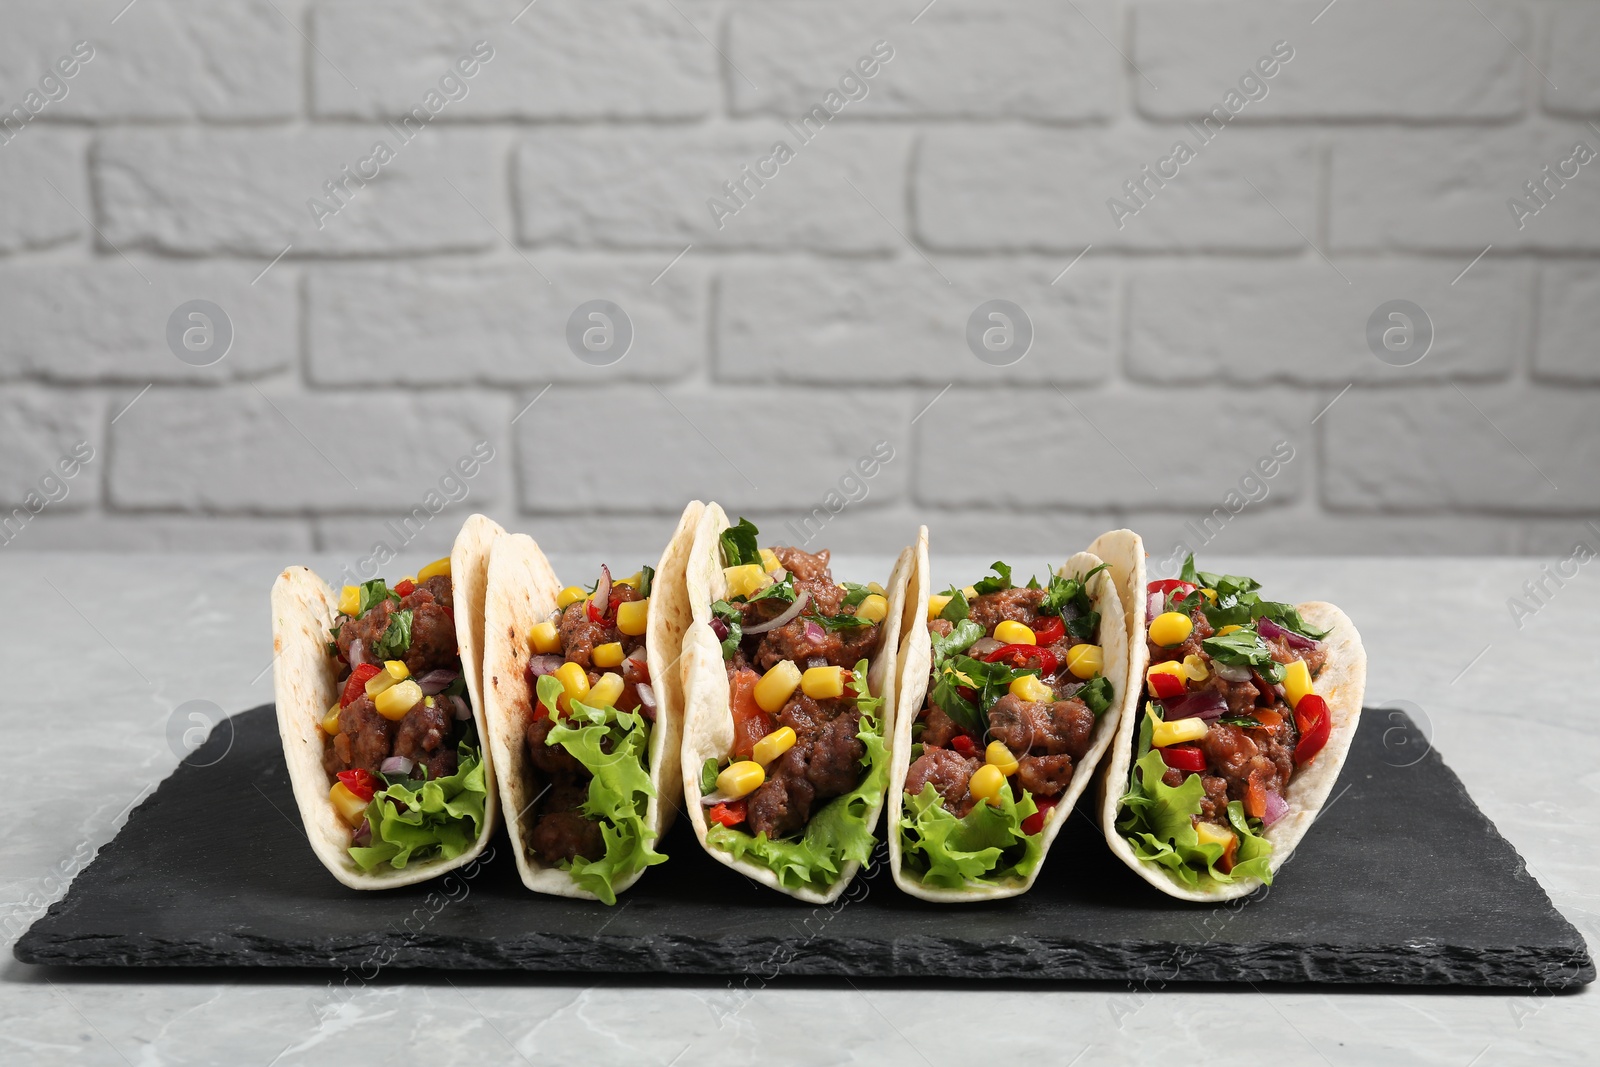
[1010, 693]
[381, 719]
[1250, 706]
[583, 699]
[788, 708]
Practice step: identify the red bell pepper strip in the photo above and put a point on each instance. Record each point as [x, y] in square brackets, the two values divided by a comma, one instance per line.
[1050, 630]
[729, 814]
[963, 744]
[1311, 716]
[357, 683]
[1035, 822]
[1166, 685]
[406, 587]
[1017, 656]
[359, 782]
[1183, 758]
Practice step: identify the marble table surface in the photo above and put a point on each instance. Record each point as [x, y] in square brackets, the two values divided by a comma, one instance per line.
[110, 652]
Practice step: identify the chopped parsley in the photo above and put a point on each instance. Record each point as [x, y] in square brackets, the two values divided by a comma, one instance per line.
[396, 639]
[740, 545]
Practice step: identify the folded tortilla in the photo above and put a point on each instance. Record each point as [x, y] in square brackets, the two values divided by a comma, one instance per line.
[305, 680]
[1341, 683]
[708, 718]
[522, 592]
[917, 661]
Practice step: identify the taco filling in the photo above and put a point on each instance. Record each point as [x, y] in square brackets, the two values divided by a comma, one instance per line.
[809, 756]
[588, 737]
[1230, 720]
[1014, 693]
[401, 744]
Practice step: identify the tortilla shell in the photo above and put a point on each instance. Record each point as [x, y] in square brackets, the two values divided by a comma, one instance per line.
[522, 592]
[305, 680]
[917, 661]
[708, 719]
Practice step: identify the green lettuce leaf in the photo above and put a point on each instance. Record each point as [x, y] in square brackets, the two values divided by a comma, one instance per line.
[986, 847]
[441, 820]
[614, 747]
[740, 544]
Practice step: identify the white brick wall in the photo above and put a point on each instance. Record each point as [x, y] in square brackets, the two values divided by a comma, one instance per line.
[972, 155]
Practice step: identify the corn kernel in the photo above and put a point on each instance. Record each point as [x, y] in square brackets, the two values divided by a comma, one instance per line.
[378, 683]
[1172, 667]
[570, 596]
[351, 808]
[823, 683]
[770, 561]
[986, 783]
[1210, 833]
[1195, 667]
[330, 721]
[545, 638]
[1228, 629]
[427, 702]
[998, 756]
[1171, 628]
[772, 692]
[397, 669]
[412, 578]
[633, 580]
[1209, 594]
[395, 701]
[741, 779]
[874, 587]
[607, 655]
[438, 568]
[574, 680]
[936, 605]
[633, 617]
[1031, 689]
[969, 592]
[1177, 732]
[350, 600]
[1296, 681]
[1086, 661]
[746, 579]
[1014, 633]
[773, 745]
[605, 692]
[872, 608]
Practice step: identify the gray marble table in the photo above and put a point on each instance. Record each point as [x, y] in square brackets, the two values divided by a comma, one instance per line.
[104, 650]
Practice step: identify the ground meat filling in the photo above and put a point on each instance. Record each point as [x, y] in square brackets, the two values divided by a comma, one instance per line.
[427, 735]
[806, 642]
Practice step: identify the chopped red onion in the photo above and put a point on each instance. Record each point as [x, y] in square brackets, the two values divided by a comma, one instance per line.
[647, 700]
[437, 681]
[543, 664]
[363, 835]
[719, 628]
[396, 765]
[789, 615]
[602, 592]
[815, 633]
[1271, 630]
[463, 710]
[1205, 704]
[357, 655]
[1153, 605]
[1277, 808]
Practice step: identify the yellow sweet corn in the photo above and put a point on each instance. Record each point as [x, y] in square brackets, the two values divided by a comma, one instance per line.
[772, 692]
[605, 692]
[330, 721]
[351, 808]
[1228, 629]
[395, 701]
[773, 745]
[633, 617]
[1210, 833]
[1296, 681]
[1086, 661]
[545, 638]
[937, 602]
[1014, 633]
[1195, 667]
[607, 655]
[969, 592]
[998, 756]
[741, 779]
[1209, 594]
[1031, 689]
[770, 561]
[574, 680]
[986, 783]
[632, 580]
[1170, 628]
[872, 608]
[435, 569]
[1177, 732]
[378, 683]
[350, 600]
[745, 579]
[570, 596]
[397, 669]
[823, 683]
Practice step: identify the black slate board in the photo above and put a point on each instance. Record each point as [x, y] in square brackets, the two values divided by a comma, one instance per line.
[1403, 881]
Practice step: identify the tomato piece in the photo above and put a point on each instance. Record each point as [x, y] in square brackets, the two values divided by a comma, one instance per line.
[357, 683]
[1035, 822]
[1050, 630]
[1167, 585]
[963, 744]
[1184, 758]
[730, 814]
[406, 587]
[1255, 799]
[1311, 716]
[750, 723]
[1018, 656]
[359, 782]
[1166, 686]
[1268, 717]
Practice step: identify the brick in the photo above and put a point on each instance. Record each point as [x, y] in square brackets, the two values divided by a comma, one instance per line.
[1430, 451]
[162, 59]
[32, 214]
[1303, 531]
[1569, 322]
[651, 188]
[41, 432]
[1574, 38]
[950, 62]
[662, 448]
[1007, 189]
[103, 322]
[1450, 190]
[1369, 59]
[238, 450]
[165, 533]
[899, 322]
[562, 59]
[1128, 467]
[504, 325]
[353, 540]
[210, 191]
[1301, 323]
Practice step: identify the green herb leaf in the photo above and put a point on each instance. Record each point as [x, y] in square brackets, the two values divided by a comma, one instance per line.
[647, 578]
[958, 608]
[708, 776]
[1244, 648]
[1240, 720]
[989, 682]
[835, 623]
[1001, 582]
[783, 591]
[1098, 694]
[854, 594]
[734, 620]
[740, 545]
[396, 639]
[959, 639]
[374, 591]
[1288, 616]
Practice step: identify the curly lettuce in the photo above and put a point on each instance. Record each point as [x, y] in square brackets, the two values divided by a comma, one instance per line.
[1155, 818]
[429, 819]
[985, 847]
[614, 748]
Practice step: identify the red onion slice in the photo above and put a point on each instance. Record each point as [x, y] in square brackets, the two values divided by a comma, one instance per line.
[719, 628]
[647, 700]
[789, 615]
[815, 633]
[1206, 704]
[357, 655]
[543, 664]
[363, 835]
[438, 681]
[1277, 808]
[600, 602]
[1271, 630]
[463, 711]
[983, 646]
[1153, 605]
[396, 765]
